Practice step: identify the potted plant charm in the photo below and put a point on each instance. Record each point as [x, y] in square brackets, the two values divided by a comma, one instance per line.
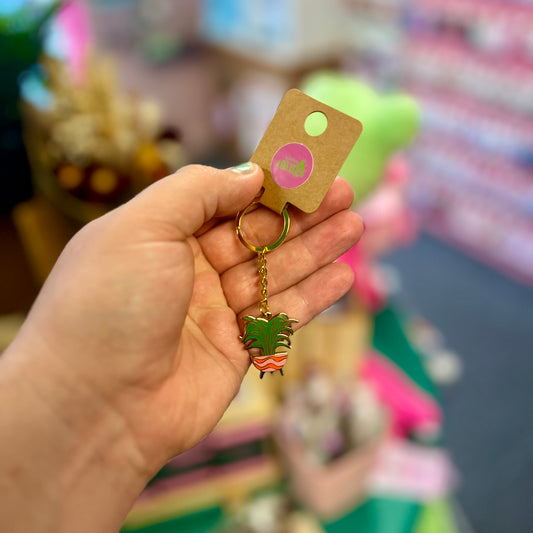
[266, 335]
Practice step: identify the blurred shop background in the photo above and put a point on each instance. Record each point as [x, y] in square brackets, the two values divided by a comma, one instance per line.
[406, 407]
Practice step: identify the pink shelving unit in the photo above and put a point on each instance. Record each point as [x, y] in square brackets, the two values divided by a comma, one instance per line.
[470, 64]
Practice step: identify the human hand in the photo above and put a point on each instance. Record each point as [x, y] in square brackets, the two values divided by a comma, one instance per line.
[135, 333]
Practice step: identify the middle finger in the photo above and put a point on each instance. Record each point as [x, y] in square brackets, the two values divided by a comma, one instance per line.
[294, 260]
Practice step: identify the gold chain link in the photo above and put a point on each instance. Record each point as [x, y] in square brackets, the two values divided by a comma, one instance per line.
[263, 304]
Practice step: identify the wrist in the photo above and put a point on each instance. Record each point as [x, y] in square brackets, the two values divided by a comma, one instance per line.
[69, 463]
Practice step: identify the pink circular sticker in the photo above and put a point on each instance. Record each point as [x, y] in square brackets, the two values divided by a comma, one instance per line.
[291, 165]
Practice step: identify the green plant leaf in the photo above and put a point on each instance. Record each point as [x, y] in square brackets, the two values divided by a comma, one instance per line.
[268, 334]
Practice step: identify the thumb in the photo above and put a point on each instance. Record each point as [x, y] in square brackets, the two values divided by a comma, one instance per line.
[195, 194]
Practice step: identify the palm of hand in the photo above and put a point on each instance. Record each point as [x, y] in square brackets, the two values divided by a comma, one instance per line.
[217, 281]
[198, 372]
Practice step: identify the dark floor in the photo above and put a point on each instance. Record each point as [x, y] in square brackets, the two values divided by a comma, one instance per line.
[488, 320]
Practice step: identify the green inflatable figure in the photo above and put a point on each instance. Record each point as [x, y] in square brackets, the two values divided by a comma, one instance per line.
[390, 123]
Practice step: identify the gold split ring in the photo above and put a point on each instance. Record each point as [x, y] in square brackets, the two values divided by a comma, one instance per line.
[268, 247]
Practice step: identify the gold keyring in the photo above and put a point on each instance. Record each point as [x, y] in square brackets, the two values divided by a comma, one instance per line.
[268, 247]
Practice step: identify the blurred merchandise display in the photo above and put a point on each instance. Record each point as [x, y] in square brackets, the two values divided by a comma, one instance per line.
[164, 28]
[470, 65]
[21, 41]
[272, 513]
[279, 33]
[329, 438]
[91, 145]
[160, 56]
[160, 30]
[376, 40]
[94, 147]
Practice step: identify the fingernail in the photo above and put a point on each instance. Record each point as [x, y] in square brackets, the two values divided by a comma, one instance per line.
[243, 168]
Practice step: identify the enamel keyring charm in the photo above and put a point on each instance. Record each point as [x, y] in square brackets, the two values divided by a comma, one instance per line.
[266, 337]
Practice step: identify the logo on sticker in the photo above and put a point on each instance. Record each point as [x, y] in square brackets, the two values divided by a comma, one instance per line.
[291, 165]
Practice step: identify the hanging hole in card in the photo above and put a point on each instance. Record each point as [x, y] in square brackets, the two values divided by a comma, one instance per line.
[316, 124]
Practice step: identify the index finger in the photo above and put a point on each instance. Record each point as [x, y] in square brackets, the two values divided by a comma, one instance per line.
[223, 250]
